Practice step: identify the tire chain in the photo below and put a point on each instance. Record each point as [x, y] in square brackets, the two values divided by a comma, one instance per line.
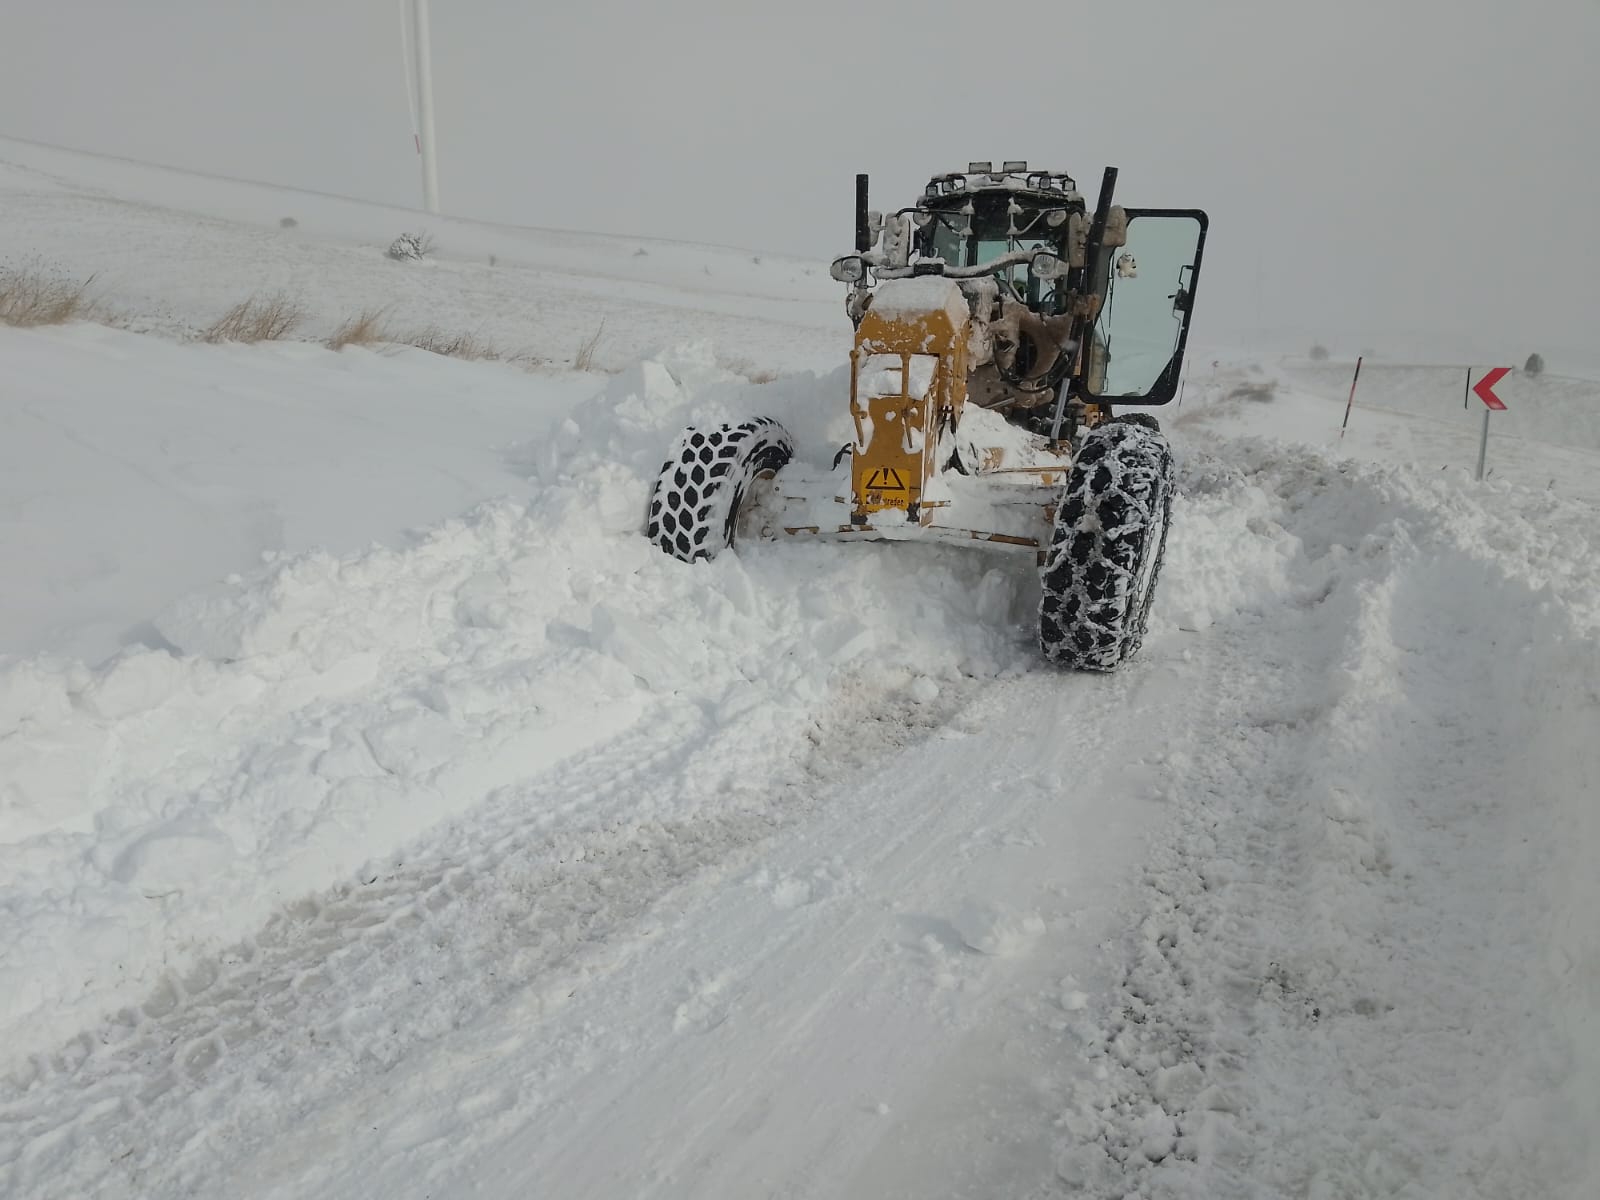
[1121, 476]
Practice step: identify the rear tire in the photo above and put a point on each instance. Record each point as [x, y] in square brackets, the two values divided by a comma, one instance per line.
[1100, 572]
[695, 505]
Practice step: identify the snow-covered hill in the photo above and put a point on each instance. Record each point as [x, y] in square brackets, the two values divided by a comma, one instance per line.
[171, 251]
[381, 816]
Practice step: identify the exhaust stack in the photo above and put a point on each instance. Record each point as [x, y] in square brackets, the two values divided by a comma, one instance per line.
[863, 222]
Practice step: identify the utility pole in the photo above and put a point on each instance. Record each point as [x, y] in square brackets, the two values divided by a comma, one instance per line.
[425, 142]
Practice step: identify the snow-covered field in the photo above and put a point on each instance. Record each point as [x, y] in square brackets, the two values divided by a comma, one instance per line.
[381, 816]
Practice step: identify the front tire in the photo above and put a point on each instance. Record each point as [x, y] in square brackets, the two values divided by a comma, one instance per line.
[695, 504]
[1099, 574]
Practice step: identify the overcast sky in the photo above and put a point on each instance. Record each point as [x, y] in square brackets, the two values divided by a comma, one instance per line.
[1399, 174]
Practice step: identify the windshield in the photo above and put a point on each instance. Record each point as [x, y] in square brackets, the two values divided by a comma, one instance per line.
[995, 232]
[946, 241]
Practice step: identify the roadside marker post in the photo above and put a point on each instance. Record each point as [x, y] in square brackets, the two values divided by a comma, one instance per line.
[1484, 390]
[1348, 404]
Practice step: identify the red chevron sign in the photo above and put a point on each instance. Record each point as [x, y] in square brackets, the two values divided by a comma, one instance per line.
[1484, 388]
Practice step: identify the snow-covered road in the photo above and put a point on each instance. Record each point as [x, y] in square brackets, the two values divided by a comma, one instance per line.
[1214, 925]
[513, 858]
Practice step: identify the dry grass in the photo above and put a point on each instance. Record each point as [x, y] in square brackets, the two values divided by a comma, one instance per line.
[32, 298]
[453, 345]
[584, 359]
[258, 319]
[363, 329]
[470, 346]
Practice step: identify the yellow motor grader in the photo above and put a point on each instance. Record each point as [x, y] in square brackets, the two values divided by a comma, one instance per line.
[998, 323]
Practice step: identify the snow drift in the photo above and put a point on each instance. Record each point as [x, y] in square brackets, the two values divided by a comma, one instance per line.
[320, 713]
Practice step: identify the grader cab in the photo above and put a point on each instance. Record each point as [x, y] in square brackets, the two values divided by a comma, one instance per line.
[999, 325]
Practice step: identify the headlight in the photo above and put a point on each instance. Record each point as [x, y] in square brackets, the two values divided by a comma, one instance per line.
[1045, 265]
[849, 269]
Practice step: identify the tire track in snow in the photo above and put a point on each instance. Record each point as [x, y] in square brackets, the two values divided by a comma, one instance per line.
[1329, 992]
[1176, 1074]
[781, 1013]
[338, 987]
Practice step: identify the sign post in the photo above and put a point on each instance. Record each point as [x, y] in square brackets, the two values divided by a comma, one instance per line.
[1484, 389]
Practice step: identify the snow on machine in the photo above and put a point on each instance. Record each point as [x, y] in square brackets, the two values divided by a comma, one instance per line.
[997, 323]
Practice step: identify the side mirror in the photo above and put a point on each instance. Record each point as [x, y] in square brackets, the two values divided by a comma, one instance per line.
[897, 239]
[851, 268]
[1140, 334]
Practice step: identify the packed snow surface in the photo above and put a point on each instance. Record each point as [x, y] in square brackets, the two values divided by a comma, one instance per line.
[381, 816]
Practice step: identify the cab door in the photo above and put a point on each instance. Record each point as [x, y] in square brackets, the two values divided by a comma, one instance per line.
[1138, 339]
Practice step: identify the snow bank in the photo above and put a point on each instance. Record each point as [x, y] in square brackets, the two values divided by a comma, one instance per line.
[1229, 553]
[319, 713]
[134, 470]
